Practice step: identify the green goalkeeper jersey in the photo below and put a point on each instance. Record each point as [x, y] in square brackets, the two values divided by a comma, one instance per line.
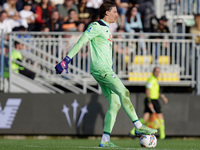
[100, 38]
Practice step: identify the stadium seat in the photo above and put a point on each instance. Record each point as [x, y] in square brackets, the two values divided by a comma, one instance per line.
[141, 60]
[164, 60]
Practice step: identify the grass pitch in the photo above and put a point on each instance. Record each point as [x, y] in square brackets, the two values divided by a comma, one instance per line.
[92, 144]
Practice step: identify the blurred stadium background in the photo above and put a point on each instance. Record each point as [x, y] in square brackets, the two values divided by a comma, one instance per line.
[72, 104]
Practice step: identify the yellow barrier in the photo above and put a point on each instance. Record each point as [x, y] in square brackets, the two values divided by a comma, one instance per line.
[143, 76]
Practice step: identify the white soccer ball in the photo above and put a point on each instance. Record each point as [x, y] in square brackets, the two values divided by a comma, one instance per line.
[148, 141]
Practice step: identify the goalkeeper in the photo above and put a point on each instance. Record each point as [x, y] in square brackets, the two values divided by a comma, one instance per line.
[152, 104]
[100, 38]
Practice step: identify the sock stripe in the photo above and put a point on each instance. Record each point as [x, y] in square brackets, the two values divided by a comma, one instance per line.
[135, 121]
[106, 133]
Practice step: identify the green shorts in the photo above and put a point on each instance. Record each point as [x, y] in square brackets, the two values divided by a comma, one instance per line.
[109, 82]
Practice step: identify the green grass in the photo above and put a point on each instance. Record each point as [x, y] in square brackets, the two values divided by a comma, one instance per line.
[92, 144]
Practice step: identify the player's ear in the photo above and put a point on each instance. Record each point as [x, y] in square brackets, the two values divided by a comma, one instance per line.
[107, 12]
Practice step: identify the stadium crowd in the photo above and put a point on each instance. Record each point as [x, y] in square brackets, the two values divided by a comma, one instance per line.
[75, 15]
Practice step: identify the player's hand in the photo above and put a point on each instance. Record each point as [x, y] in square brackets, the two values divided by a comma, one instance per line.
[165, 100]
[63, 65]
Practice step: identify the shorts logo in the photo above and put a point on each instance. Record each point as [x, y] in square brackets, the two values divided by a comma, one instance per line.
[89, 29]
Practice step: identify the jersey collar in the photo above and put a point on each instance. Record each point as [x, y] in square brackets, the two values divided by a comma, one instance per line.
[106, 23]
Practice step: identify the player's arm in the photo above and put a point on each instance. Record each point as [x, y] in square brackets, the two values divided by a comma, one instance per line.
[89, 34]
[164, 98]
[76, 48]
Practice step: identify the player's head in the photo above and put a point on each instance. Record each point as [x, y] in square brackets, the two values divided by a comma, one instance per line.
[156, 72]
[108, 11]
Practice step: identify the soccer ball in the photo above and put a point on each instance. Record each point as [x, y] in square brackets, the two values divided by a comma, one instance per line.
[148, 141]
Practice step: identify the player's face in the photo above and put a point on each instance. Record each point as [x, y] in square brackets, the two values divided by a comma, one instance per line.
[112, 15]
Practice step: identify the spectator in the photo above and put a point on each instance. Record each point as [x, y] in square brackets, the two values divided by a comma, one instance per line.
[27, 14]
[133, 21]
[10, 8]
[33, 4]
[64, 9]
[5, 26]
[72, 22]
[196, 28]
[8, 24]
[84, 15]
[147, 12]
[122, 8]
[54, 23]
[17, 56]
[162, 26]
[133, 24]
[19, 4]
[93, 6]
[43, 12]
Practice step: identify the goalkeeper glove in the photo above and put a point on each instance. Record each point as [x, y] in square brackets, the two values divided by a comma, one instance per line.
[63, 65]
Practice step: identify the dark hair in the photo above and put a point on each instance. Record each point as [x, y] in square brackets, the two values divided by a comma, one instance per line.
[71, 11]
[128, 15]
[3, 11]
[16, 43]
[106, 6]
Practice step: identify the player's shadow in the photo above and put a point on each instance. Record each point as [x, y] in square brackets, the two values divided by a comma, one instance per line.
[89, 123]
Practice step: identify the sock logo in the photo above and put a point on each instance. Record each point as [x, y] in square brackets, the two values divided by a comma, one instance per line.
[7, 115]
[75, 105]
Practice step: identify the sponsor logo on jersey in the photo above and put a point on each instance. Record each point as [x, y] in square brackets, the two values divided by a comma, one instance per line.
[110, 38]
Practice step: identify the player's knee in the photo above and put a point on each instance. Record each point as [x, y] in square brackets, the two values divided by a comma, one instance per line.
[127, 93]
[124, 93]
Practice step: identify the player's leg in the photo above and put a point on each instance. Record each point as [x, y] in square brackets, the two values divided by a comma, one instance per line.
[111, 114]
[111, 81]
[162, 127]
[143, 120]
[110, 118]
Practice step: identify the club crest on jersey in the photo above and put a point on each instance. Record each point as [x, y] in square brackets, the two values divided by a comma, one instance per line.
[110, 38]
[89, 29]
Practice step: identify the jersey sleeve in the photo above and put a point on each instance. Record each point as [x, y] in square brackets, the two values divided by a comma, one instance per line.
[75, 49]
[92, 31]
[149, 84]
